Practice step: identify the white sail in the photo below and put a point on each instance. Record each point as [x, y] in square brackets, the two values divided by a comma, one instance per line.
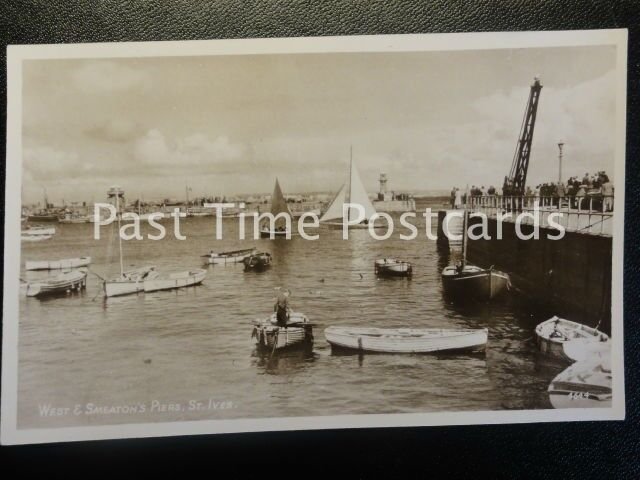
[334, 212]
[358, 195]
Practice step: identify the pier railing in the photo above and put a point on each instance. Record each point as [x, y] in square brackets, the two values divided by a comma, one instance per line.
[591, 214]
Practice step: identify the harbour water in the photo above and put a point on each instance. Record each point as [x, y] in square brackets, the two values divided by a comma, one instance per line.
[153, 357]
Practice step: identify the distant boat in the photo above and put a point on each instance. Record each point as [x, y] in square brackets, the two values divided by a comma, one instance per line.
[278, 206]
[187, 278]
[63, 283]
[43, 217]
[74, 218]
[466, 281]
[406, 340]
[39, 230]
[298, 332]
[585, 384]
[351, 192]
[58, 264]
[232, 256]
[34, 238]
[258, 261]
[391, 267]
[553, 335]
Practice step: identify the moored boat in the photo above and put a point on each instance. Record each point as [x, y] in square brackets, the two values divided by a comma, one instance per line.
[585, 384]
[232, 256]
[131, 281]
[391, 267]
[187, 278]
[406, 340]
[58, 264]
[257, 261]
[298, 332]
[63, 283]
[553, 335]
[34, 238]
[472, 282]
[281, 226]
[39, 230]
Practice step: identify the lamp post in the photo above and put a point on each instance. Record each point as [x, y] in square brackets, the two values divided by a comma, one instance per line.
[560, 145]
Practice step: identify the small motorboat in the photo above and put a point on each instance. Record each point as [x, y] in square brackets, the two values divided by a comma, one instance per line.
[233, 256]
[298, 332]
[258, 261]
[65, 263]
[131, 281]
[585, 384]
[406, 340]
[554, 334]
[64, 283]
[391, 267]
[187, 278]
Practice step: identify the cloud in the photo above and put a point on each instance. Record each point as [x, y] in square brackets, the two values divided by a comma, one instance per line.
[44, 163]
[103, 76]
[196, 151]
[115, 130]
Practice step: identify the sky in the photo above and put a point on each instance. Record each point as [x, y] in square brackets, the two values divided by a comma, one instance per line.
[226, 125]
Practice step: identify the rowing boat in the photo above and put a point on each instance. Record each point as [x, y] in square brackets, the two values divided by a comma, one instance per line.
[34, 238]
[63, 283]
[585, 384]
[298, 332]
[553, 335]
[258, 261]
[406, 340]
[38, 230]
[391, 267]
[131, 281]
[233, 256]
[58, 264]
[183, 279]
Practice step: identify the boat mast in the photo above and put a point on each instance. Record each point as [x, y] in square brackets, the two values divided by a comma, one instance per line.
[350, 173]
[119, 215]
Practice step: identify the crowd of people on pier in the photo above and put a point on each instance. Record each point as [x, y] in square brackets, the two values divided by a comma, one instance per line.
[591, 192]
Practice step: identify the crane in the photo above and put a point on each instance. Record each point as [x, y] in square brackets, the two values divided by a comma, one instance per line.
[514, 184]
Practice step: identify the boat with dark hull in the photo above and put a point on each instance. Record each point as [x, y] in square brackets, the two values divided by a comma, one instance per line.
[257, 262]
[391, 267]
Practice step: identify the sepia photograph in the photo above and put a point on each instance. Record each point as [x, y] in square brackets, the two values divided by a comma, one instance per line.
[284, 234]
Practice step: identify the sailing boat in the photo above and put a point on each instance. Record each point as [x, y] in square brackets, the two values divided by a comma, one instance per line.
[278, 206]
[466, 281]
[131, 281]
[351, 192]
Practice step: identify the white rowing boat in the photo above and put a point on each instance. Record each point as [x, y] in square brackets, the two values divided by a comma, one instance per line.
[58, 264]
[68, 282]
[406, 340]
[233, 256]
[585, 384]
[187, 278]
[34, 238]
[38, 230]
[298, 332]
[552, 335]
[131, 281]
[392, 267]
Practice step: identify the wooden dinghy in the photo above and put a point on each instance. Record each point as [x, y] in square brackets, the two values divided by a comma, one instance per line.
[391, 267]
[187, 278]
[34, 238]
[39, 230]
[297, 333]
[585, 384]
[131, 281]
[258, 261]
[406, 340]
[64, 283]
[58, 264]
[554, 334]
[232, 256]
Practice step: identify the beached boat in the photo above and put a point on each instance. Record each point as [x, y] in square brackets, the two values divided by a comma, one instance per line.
[257, 261]
[466, 282]
[58, 264]
[131, 281]
[406, 340]
[298, 332]
[281, 227]
[352, 192]
[63, 283]
[34, 238]
[554, 334]
[231, 256]
[585, 384]
[187, 278]
[391, 267]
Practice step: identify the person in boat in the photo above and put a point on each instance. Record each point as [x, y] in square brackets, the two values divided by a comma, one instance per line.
[459, 267]
[282, 308]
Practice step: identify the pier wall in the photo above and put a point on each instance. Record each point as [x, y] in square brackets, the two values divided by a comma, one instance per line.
[571, 276]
